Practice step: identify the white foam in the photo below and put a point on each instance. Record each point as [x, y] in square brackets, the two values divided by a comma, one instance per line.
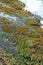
[41, 23]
